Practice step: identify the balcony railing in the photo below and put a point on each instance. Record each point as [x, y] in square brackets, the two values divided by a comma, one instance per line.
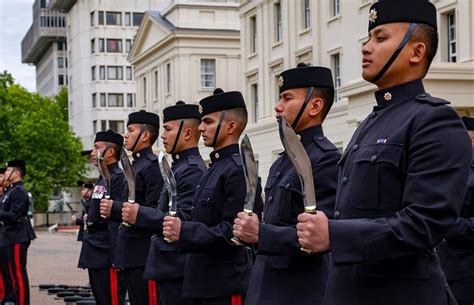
[48, 26]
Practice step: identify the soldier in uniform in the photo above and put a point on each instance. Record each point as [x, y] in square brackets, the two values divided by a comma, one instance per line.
[133, 243]
[96, 244]
[216, 271]
[3, 254]
[402, 177]
[165, 264]
[282, 273]
[456, 251]
[86, 194]
[16, 234]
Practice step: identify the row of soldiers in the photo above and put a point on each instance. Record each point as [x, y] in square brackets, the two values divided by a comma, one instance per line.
[389, 207]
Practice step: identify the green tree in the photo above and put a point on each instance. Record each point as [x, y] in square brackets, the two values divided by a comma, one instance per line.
[35, 128]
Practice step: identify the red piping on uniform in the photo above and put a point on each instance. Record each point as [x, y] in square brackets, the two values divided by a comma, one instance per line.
[21, 287]
[113, 286]
[152, 296]
[236, 299]
[2, 287]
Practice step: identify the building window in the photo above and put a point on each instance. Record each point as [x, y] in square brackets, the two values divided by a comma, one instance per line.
[102, 100]
[60, 62]
[129, 100]
[168, 78]
[336, 67]
[278, 24]
[92, 46]
[253, 34]
[61, 80]
[94, 100]
[115, 100]
[101, 18]
[94, 126]
[62, 46]
[156, 84]
[452, 55]
[114, 18]
[102, 72]
[137, 18]
[92, 18]
[306, 14]
[144, 91]
[127, 19]
[114, 45]
[115, 72]
[93, 72]
[117, 126]
[103, 125]
[128, 45]
[101, 45]
[129, 73]
[254, 92]
[208, 73]
[43, 4]
[335, 6]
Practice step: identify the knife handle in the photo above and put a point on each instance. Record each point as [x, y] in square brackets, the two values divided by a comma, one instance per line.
[172, 214]
[236, 240]
[309, 210]
[125, 224]
[106, 197]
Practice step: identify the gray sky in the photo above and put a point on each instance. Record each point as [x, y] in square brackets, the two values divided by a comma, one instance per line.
[15, 20]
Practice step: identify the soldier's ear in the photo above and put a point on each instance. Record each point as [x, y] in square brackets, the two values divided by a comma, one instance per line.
[187, 133]
[231, 127]
[417, 52]
[315, 106]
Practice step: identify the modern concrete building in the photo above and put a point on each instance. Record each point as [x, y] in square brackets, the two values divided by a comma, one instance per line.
[101, 81]
[185, 52]
[278, 34]
[44, 46]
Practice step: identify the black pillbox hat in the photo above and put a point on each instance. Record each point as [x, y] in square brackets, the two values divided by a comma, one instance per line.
[88, 186]
[413, 11]
[181, 111]
[304, 76]
[468, 122]
[144, 117]
[109, 136]
[3, 170]
[16, 163]
[221, 100]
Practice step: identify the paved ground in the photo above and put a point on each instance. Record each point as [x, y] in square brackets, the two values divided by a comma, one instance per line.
[52, 259]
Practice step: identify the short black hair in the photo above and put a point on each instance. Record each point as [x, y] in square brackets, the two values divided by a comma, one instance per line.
[238, 114]
[153, 130]
[327, 95]
[429, 36]
[116, 149]
[22, 171]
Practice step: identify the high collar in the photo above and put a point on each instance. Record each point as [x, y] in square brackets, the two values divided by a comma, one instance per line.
[184, 154]
[142, 153]
[15, 184]
[224, 152]
[399, 93]
[307, 135]
[112, 166]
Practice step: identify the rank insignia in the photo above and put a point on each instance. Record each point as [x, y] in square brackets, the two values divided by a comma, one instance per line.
[387, 96]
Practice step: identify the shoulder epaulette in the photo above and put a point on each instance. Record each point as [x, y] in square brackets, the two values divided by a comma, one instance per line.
[435, 101]
[237, 159]
[324, 143]
[192, 160]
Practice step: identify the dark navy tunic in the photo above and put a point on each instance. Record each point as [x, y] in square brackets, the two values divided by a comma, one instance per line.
[214, 266]
[282, 273]
[401, 183]
[98, 240]
[165, 262]
[457, 249]
[133, 243]
[15, 227]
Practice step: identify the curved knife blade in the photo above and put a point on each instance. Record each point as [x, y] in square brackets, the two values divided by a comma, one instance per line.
[104, 172]
[170, 183]
[129, 175]
[300, 160]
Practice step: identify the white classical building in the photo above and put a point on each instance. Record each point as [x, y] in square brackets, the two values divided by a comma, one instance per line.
[185, 52]
[278, 34]
[101, 81]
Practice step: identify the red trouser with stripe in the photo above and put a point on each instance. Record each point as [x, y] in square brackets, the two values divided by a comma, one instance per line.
[236, 299]
[140, 291]
[105, 286]
[15, 277]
